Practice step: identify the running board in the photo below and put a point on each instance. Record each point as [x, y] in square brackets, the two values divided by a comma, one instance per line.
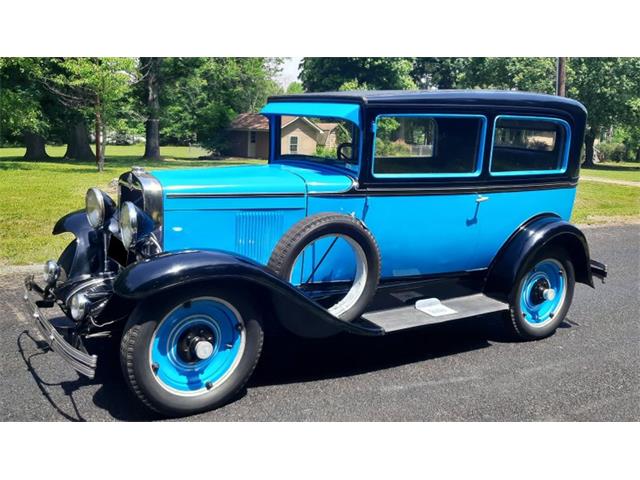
[432, 311]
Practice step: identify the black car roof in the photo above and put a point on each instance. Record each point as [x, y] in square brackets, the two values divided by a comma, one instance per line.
[461, 97]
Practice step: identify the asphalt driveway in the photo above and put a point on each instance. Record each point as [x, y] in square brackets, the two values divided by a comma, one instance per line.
[465, 370]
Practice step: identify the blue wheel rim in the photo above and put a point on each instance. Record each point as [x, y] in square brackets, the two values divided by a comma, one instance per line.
[548, 275]
[192, 378]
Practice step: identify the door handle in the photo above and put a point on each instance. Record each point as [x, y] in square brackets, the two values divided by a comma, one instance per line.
[481, 198]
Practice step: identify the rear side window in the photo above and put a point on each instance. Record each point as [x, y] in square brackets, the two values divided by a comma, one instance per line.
[428, 145]
[529, 145]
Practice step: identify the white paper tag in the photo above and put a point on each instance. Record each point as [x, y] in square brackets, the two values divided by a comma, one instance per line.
[433, 307]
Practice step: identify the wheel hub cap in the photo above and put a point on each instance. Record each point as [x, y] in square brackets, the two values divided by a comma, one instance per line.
[197, 346]
[543, 293]
[203, 349]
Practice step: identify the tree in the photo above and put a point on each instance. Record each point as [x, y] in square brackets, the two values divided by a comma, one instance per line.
[294, 88]
[150, 68]
[609, 88]
[78, 146]
[24, 105]
[327, 74]
[439, 72]
[528, 74]
[94, 86]
[200, 96]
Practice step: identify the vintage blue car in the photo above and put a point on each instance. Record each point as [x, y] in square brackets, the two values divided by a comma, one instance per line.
[377, 212]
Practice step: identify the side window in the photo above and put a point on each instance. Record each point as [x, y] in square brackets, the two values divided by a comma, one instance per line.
[428, 145]
[293, 144]
[529, 145]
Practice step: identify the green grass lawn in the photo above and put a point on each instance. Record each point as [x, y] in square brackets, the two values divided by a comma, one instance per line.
[33, 195]
[615, 171]
[606, 203]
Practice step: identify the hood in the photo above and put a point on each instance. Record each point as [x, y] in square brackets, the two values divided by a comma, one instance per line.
[272, 179]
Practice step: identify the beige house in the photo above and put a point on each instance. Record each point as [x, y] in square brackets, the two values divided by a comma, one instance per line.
[249, 135]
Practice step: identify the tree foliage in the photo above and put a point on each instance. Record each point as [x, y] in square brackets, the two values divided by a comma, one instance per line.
[295, 88]
[23, 99]
[193, 100]
[439, 72]
[98, 87]
[529, 74]
[327, 74]
[200, 96]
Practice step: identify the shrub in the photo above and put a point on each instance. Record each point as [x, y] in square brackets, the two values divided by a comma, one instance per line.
[326, 152]
[612, 152]
[391, 149]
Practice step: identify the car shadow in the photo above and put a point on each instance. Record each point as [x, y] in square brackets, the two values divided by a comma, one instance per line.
[287, 359]
[291, 360]
[112, 395]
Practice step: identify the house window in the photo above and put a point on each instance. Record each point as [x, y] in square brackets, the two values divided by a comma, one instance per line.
[252, 137]
[529, 145]
[430, 145]
[293, 144]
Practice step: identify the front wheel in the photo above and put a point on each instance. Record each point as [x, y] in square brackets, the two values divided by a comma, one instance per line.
[542, 295]
[191, 350]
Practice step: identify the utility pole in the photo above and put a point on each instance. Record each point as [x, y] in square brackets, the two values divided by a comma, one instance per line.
[561, 77]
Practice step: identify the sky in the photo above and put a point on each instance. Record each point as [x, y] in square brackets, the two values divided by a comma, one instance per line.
[289, 70]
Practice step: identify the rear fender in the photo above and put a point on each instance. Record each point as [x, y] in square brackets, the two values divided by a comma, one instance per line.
[539, 233]
[163, 273]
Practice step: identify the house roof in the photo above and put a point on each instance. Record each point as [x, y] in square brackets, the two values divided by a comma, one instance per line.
[327, 126]
[258, 122]
[250, 121]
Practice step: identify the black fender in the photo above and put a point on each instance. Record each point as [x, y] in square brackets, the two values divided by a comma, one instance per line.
[87, 253]
[529, 239]
[295, 312]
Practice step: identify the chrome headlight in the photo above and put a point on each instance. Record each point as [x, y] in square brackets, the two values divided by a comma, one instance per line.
[51, 272]
[99, 207]
[78, 307]
[129, 224]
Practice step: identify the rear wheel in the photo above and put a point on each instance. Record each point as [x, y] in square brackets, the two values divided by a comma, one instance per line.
[192, 351]
[542, 295]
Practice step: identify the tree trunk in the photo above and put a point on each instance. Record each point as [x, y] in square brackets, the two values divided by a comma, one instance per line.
[561, 77]
[78, 147]
[99, 151]
[35, 144]
[638, 155]
[152, 127]
[152, 142]
[103, 145]
[589, 151]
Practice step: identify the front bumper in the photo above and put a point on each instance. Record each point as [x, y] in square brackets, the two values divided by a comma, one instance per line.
[69, 347]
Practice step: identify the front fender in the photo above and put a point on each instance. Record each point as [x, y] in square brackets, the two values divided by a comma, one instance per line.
[527, 241]
[297, 313]
[87, 250]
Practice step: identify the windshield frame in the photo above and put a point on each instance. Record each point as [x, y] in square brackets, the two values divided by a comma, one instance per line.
[275, 156]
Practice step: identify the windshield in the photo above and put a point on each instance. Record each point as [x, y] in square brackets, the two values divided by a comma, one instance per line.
[327, 140]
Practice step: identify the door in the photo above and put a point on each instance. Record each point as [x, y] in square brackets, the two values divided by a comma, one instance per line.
[251, 144]
[420, 230]
[532, 150]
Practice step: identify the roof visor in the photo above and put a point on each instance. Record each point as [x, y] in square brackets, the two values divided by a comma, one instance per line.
[345, 111]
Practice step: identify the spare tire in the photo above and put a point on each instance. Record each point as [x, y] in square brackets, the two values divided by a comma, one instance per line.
[353, 234]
